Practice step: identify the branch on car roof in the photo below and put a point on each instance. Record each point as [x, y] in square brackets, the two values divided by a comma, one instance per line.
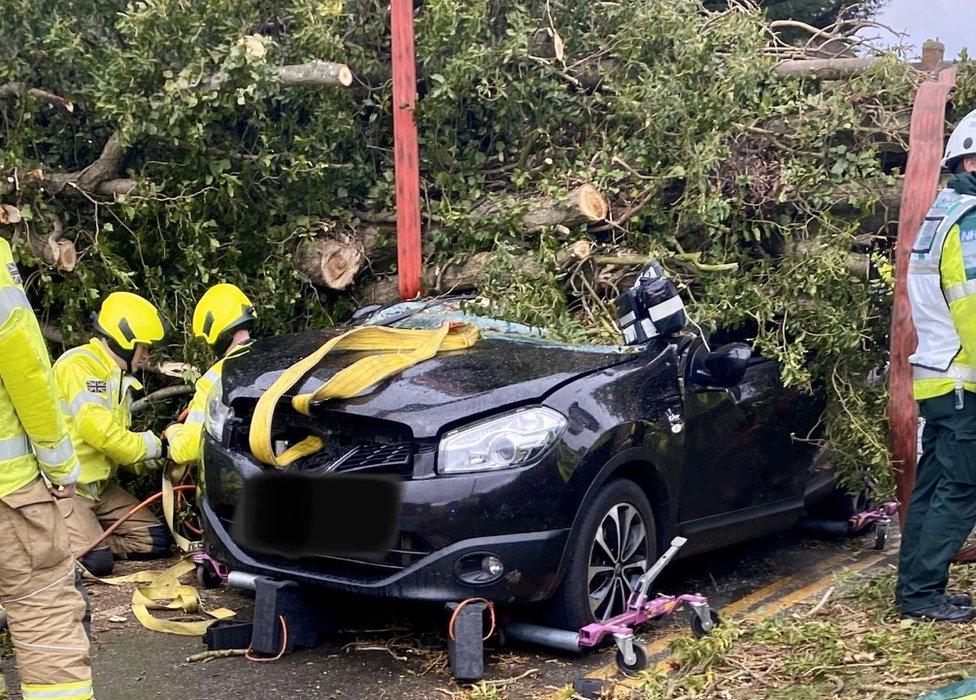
[456, 276]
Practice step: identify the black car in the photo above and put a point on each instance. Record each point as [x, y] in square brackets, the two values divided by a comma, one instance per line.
[531, 470]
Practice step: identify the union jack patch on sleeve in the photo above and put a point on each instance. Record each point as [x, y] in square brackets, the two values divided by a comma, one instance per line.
[14, 273]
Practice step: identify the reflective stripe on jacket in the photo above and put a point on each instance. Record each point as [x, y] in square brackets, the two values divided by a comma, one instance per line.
[98, 399]
[33, 432]
[185, 438]
[941, 288]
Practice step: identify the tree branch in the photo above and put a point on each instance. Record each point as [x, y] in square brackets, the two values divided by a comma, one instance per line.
[13, 90]
[314, 73]
[102, 175]
[105, 167]
[168, 392]
[54, 251]
[824, 68]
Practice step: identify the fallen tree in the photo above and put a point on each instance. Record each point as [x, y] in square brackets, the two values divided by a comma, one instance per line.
[562, 148]
[334, 259]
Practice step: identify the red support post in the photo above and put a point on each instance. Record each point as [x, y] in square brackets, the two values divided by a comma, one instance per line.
[925, 141]
[405, 148]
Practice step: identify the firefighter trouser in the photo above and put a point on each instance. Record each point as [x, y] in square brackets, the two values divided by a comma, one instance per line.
[142, 536]
[942, 510]
[37, 588]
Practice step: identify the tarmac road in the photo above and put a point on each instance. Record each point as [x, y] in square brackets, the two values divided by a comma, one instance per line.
[407, 657]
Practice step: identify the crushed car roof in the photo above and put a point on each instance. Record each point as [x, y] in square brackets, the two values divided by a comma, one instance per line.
[433, 313]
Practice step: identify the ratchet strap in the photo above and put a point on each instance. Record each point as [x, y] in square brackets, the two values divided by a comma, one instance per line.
[162, 590]
[394, 350]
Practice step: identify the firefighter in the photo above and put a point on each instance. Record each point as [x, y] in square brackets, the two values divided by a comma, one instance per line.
[942, 291]
[223, 318]
[37, 571]
[95, 382]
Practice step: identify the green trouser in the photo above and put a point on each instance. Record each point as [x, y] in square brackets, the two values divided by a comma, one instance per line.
[942, 511]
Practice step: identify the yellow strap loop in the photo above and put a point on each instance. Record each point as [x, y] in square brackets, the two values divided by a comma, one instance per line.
[162, 590]
[394, 350]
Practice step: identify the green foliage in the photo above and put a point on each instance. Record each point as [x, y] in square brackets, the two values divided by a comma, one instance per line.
[852, 645]
[233, 169]
[533, 295]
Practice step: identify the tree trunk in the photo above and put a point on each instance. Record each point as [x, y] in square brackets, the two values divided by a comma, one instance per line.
[585, 204]
[823, 68]
[453, 278]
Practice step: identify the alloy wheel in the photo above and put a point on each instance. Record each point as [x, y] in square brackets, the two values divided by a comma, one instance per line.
[618, 558]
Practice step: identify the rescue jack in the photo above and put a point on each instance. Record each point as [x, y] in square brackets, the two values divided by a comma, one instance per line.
[641, 608]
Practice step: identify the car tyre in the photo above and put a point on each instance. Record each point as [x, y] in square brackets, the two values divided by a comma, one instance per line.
[590, 564]
[840, 505]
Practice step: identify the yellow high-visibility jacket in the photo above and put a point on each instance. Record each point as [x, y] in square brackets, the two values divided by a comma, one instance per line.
[185, 438]
[98, 399]
[33, 433]
[942, 291]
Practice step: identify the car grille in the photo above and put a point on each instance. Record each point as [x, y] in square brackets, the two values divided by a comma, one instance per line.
[390, 458]
[350, 443]
[393, 458]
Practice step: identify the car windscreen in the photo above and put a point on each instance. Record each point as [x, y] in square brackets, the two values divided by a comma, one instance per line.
[429, 315]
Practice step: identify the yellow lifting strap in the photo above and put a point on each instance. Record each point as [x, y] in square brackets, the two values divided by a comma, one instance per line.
[394, 350]
[162, 590]
[171, 474]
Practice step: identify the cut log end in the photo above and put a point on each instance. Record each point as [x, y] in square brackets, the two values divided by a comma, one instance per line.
[331, 261]
[344, 76]
[67, 256]
[9, 214]
[590, 202]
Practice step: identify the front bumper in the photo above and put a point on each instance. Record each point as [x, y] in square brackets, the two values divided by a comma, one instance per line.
[504, 514]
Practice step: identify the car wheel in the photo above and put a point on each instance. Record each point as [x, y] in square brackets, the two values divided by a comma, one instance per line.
[839, 505]
[614, 545]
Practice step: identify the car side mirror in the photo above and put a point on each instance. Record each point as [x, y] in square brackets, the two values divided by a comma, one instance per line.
[364, 311]
[725, 366]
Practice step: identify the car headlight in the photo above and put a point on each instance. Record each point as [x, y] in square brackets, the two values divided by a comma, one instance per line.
[217, 412]
[510, 440]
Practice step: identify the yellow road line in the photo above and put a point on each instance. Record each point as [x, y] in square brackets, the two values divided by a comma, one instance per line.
[812, 589]
[661, 643]
[747, 602]
[762, 612]
[785, 603]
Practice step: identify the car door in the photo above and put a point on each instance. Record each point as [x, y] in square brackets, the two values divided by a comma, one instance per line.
[731, 435]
